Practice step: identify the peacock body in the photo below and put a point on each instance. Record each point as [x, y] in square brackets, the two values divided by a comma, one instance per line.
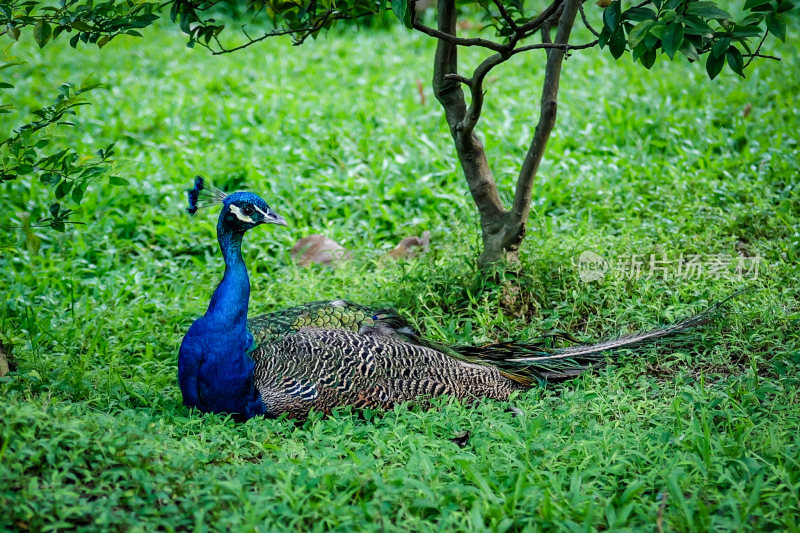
[325, 355]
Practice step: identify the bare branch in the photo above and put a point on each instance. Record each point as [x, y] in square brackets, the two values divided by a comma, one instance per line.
[447, 88]
[758, 49]
[267, 35]
[547, 119]
[555, 46]
[476, 91]
[459, 78]
[460, 41]
[505, 14]
[299, 34]
[763, 56]
[532, 26]
[586, 21]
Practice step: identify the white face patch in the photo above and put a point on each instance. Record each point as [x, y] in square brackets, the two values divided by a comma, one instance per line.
[260, 211]
[241, 216]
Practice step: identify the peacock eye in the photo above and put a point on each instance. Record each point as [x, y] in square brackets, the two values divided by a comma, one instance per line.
[248, 210]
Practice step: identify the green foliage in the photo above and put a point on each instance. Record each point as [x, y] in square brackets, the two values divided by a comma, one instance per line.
[86, 21]
[694, 28]
[92, 431]
[28, 153]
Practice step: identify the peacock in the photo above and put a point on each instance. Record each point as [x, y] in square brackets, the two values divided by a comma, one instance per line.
[324, 355]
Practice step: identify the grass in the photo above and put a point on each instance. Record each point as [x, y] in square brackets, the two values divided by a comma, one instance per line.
[704, 436]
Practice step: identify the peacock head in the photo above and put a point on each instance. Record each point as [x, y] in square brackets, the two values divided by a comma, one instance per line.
[241, 211]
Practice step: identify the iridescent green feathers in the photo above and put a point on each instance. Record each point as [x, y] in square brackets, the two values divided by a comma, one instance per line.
[337, 314]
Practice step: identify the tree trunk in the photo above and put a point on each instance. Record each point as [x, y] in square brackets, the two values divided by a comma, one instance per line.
[502, 230]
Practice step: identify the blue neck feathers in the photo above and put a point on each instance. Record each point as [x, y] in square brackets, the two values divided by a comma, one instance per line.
[230, 300]
[215, 371]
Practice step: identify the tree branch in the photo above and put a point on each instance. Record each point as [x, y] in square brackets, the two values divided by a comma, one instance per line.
[532, 26]
[459, 78]
[758, 49]
[505, 15]
[586, 21]
[452, 39]
[476, 91]
[547, 118]
[555, 46]
[445, 67]
[447, 88]
[299, 35]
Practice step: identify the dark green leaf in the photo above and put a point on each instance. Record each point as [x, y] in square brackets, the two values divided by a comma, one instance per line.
[707, 10]
[777, 25]
[173, 12]
[651, 39]
[750, 4]
[638, 33]
[81, 25]
[697, 26]
[4, 85]
[714, 65]
[147, 18]
[743, 32]
[604, 37]
[49, 179]
[612, 15]
[54, 209]
[617, 43]
[639, 14]
[402, 12]
[116, 180]
[735, 60]
[688, 49]
[638, 51]
[672, 39]
[764, 8]
[649, 58]
[785, 5]
[42, 33]
[720, 47]
[63, 189]
[77, 194]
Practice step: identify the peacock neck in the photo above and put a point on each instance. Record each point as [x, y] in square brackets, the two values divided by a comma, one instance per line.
[229, 302]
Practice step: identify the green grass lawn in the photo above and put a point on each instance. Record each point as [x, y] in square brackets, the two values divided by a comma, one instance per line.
[334, 134]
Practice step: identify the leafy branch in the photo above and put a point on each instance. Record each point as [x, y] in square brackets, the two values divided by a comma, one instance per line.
[22, 153]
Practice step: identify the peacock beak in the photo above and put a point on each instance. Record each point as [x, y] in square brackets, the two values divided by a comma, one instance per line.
[274, 218]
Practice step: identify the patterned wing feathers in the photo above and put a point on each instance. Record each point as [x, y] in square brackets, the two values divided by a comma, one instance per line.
[348, 368]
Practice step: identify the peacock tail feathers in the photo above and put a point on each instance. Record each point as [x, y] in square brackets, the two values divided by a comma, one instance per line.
[535, 360]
